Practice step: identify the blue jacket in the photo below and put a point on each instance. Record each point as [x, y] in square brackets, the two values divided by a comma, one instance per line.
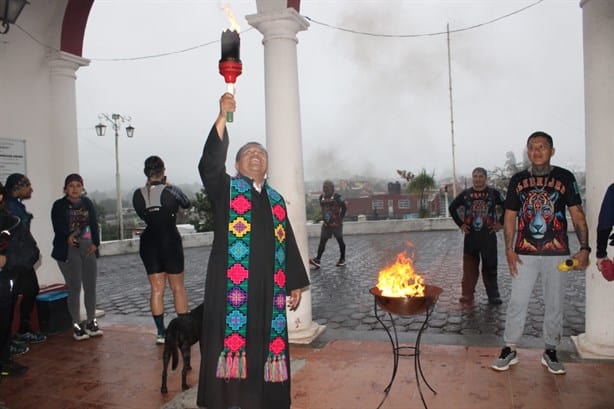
[17, 208]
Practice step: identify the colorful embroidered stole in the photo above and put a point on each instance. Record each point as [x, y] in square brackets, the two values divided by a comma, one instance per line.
[232, 362]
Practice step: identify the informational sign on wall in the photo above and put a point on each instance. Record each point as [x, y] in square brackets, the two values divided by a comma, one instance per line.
[12, 157]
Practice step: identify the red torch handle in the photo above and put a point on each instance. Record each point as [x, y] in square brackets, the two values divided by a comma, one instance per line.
[230, 70]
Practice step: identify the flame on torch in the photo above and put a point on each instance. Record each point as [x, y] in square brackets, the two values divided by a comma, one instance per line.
[230, 65]
[400, 279]
[234, 26]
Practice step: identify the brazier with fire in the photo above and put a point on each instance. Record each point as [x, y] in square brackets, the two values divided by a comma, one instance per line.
[400, 291]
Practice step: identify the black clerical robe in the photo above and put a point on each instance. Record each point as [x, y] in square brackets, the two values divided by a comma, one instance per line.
[253, 392]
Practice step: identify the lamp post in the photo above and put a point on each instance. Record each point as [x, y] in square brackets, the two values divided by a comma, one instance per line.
[116, 120]
[9, 11]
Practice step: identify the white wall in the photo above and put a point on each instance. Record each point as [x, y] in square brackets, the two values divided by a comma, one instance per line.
[111, 248]
[30, 111]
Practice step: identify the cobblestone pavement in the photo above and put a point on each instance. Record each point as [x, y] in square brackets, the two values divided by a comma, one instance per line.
[340, 295]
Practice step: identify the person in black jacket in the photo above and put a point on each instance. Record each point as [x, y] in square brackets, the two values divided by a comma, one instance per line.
[333, 211]
[161, 248]
[604, 228]
[25, 281]
[17, 249]
[479, 223]
[75, 248]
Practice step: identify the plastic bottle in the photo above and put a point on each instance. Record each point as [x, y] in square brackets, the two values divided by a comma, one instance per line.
[568, 264]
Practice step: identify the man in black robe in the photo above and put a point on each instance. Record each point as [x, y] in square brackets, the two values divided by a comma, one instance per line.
[217, 391]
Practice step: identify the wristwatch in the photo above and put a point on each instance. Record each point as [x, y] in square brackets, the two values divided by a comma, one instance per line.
[587, 248]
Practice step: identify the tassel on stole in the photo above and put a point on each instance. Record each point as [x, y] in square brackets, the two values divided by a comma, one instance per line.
[276, 369]
[220, 372]
[231, 365]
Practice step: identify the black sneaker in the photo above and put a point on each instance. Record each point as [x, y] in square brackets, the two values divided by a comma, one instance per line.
[79, 333]
[341, 262]
[18, 348]
[550, 361]
[507, 358]
[315, 262]
[495, 301]
[12, 368]
[92, 329]
[30, 337]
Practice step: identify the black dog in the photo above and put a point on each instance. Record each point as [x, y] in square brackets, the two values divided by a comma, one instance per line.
[183, 332]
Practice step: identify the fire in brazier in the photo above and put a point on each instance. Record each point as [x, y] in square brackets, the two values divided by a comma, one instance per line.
[400, 279]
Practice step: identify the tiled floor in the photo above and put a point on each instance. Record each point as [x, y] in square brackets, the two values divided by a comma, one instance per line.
[122, 370]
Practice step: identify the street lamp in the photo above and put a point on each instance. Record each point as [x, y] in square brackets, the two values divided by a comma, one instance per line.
[9, 11]
[116, 120]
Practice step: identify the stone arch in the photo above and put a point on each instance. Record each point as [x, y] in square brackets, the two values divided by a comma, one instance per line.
[73, 26]
[75, 21]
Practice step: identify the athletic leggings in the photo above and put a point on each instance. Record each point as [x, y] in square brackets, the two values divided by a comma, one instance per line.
[77, 270]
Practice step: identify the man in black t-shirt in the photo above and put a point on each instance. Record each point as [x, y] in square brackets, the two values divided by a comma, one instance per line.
[480, 223]
[535, 210]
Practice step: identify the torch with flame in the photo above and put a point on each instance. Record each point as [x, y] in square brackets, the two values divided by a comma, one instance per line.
[230, 65]
[400, 279]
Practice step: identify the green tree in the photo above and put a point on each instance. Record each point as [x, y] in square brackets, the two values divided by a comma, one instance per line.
[109, 231]
[500, 177]
[422, 183]
[202, 219]
[313, 210]
[109, 205]
[100, 212]
[408, 176]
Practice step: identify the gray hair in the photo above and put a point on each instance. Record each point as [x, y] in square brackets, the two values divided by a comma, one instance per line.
[244, 147]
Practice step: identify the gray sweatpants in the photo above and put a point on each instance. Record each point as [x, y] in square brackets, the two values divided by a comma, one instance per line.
[79, 269]
[553, 292]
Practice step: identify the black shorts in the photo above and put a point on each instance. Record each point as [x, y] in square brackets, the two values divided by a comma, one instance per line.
[162, 253]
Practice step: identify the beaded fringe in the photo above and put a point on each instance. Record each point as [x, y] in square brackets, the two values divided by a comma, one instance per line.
[231, 366]
[275, 369]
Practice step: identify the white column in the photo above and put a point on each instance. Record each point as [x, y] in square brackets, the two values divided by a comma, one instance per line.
[62, 149]
[598, 28]
[64, 143]
[284, 140]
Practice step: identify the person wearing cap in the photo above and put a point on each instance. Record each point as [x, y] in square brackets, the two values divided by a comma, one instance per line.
[161, 248]
[25, 282]
[75, 248]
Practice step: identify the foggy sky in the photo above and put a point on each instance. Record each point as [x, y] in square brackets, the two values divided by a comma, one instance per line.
[369, 105]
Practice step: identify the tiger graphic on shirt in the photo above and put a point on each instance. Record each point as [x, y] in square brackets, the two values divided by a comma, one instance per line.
[540, 224]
